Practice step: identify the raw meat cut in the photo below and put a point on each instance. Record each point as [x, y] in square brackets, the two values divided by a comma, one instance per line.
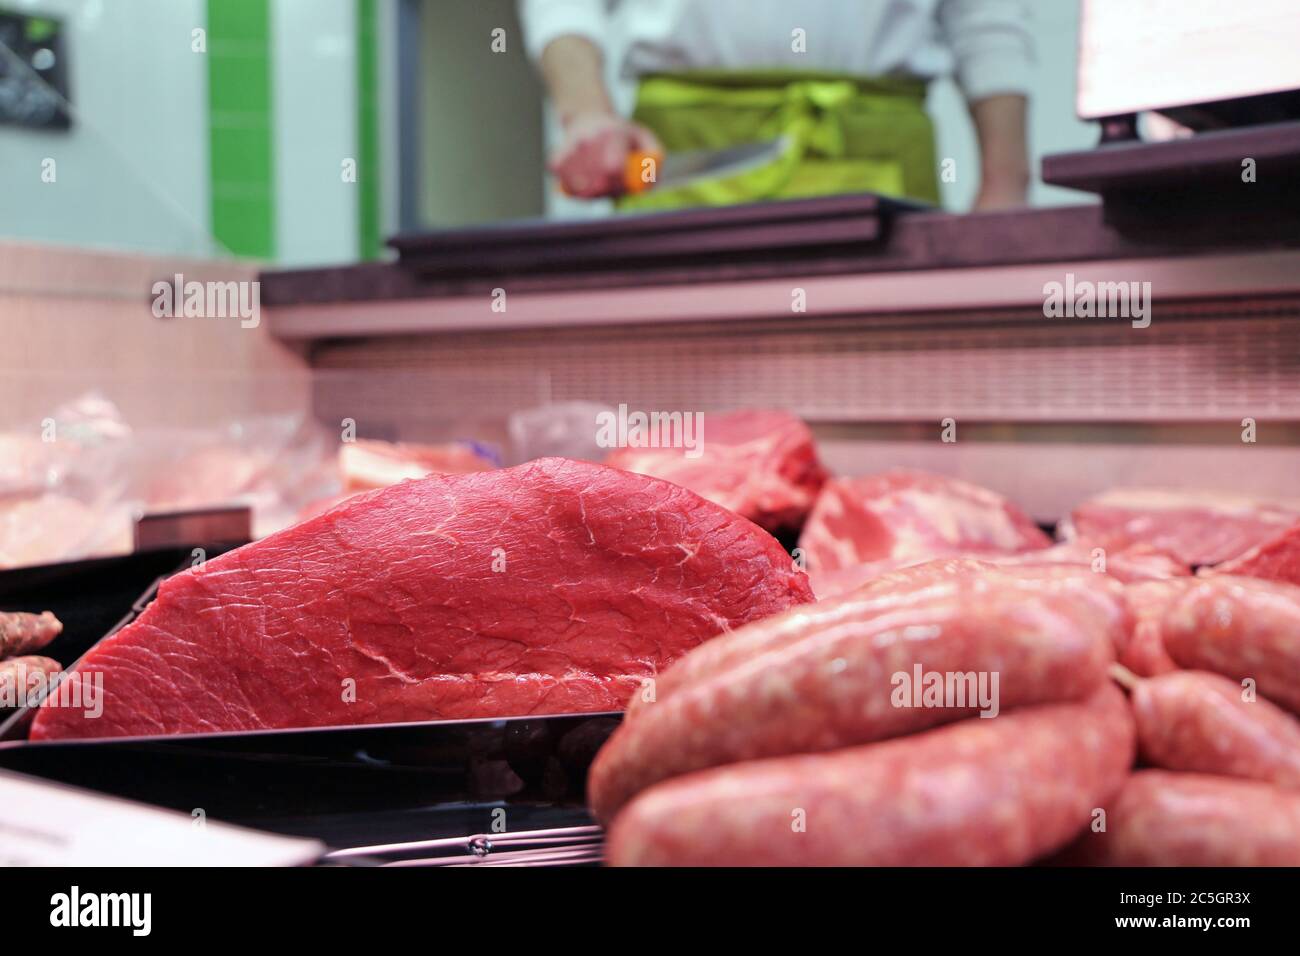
[1191, 819]
[998, 792]
[1204, 723]
[553, 587]
[1139, 563]
[1129, 565]
[893, 593]
[1144, 652]
[206, 476]
[1240, 628]
[834, 681]
[22, 633]
[760, 464]
[366, 464]
[53, 527]
[907, 516]
[1193, 526]
[22, 678]
[1277, 559]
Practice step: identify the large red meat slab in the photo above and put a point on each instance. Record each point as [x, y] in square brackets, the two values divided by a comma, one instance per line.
[1195, 527]
[760, 464]
[553, 587]
[902, 517]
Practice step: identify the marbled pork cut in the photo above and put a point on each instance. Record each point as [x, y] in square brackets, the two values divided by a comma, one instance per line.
[900, 514]
[760, 464]
[1196, 527]
[549, 588]
[1136, 564]
[366, 464]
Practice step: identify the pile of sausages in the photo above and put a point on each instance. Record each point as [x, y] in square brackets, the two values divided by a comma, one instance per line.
[964, 713]
[21, 671]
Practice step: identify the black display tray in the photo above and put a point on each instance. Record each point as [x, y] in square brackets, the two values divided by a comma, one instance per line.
[356, 786]
[347, 786]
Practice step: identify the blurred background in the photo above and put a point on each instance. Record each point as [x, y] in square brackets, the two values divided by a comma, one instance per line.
[219, 128]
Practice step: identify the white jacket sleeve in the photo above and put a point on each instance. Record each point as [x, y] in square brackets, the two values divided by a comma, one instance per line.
[991, 43]
[544, 20]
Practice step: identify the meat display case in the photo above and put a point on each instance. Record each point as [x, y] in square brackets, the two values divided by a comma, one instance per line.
[930, 317]
[884, 326]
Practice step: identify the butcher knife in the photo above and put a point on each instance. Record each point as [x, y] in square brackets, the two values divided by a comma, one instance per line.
[650, 170]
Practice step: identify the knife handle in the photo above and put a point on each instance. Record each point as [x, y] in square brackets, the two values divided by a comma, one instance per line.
[633, 169]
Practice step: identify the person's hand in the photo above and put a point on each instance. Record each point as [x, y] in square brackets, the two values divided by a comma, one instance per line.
[592, 157]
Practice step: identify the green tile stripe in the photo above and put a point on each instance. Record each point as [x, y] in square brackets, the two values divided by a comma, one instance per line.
[369, 240]
[240, 135]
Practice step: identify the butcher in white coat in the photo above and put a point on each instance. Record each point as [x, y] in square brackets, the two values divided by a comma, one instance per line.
[839, 83]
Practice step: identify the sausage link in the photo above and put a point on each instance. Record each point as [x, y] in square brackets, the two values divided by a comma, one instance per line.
[849, 682]
[789, 627]
[1188, 819]
[1144, 653]
[1240, 628]
[1197, 721]
[999, 792]
[902, 588]
[22, 633]
[21, 675]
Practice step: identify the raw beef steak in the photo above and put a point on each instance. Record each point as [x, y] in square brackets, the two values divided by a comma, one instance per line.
[1195, 527]
[553, 587]
[904, 517]
[1277, 559]
[759, 464]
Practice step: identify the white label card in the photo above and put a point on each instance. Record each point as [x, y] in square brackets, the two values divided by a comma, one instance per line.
[49, 824]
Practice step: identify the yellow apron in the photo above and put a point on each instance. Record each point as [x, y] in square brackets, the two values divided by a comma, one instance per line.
[845, 134]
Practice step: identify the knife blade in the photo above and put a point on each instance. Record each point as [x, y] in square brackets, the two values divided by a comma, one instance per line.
[648, 170]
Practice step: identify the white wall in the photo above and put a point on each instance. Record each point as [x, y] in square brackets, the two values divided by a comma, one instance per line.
[133, 170]
[314, 114]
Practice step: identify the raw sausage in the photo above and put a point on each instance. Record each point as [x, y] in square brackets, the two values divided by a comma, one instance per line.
[854, 679]
[1193, 720]
[20, 676]
[998, 792]
[1240, 628]
[789, 627]
[22, 633]
[895, 590]
[1144, 653]
[1189, 819]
